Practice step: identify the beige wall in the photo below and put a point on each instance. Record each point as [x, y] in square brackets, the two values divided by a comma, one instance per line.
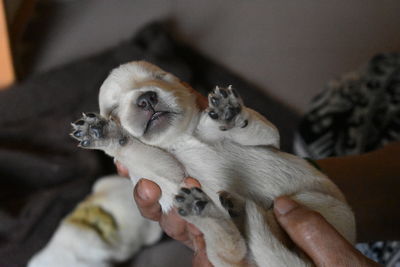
[289, 48]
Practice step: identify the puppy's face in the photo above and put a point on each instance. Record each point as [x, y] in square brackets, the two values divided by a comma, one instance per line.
[151, 104]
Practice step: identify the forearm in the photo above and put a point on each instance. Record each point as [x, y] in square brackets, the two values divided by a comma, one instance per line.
[371, 184]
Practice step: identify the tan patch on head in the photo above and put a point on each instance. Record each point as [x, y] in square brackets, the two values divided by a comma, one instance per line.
[201, 100]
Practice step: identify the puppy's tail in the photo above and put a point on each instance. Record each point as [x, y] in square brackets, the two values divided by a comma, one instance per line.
[265, 239]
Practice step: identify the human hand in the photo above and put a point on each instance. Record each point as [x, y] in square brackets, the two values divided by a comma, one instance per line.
[147, 194]
[308, 229]
[316, 237]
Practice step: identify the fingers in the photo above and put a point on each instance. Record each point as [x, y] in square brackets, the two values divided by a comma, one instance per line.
[174, 226]
[191, 182]
[147, 194]
[178, 228]
[315, 236]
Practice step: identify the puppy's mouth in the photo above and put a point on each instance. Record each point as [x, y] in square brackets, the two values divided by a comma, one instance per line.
[158, 118]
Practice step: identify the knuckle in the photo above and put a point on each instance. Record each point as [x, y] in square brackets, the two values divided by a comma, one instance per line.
[175, 233]
[173, 228]
[150, 214]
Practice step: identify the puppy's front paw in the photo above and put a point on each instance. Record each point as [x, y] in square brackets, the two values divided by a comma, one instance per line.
[93, 131]
[225, 106]
[191, 201]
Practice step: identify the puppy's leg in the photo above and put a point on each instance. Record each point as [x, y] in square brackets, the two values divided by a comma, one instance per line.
[266, 240]
[267, 243]
[224, 244]
[227, 118]
[96, 132]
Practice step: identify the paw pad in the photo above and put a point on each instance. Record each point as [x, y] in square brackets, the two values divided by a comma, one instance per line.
[88, 129]
[225, 106]
[191, 201]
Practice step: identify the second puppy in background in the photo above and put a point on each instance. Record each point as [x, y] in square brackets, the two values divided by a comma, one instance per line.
[104, 229]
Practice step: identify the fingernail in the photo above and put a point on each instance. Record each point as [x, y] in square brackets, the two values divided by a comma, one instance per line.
[284, 205]
[142, 190]
[191, 182]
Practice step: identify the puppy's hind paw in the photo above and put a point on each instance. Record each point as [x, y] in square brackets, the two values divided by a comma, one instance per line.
[225, 106]
[191, 202]
[234, 206]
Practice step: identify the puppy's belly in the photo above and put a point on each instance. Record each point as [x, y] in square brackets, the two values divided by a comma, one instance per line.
[256, 173]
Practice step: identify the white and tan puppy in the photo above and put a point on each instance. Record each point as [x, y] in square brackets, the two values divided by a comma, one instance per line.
[103, 229]
[151, 123]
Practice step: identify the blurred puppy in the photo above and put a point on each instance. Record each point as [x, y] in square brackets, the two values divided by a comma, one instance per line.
[151, 122]
[105, 228]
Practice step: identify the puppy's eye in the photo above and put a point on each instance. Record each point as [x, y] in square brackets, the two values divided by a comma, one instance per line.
[159, 76]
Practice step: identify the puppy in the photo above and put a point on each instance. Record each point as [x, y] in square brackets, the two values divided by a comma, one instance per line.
[151, 122]
[104, 228]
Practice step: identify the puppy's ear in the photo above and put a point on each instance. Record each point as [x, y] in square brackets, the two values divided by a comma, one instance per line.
[201, 100]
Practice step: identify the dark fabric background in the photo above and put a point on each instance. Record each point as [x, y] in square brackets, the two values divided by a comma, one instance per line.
[42, 172]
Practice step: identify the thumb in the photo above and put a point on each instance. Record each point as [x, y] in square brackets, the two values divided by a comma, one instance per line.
[315, 236]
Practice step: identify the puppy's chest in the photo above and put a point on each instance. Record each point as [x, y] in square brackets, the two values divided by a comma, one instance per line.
[211, 164]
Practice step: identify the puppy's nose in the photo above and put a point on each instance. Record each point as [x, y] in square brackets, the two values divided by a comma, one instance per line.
[147, 100]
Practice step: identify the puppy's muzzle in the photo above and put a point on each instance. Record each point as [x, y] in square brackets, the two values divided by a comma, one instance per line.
[147, 100]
